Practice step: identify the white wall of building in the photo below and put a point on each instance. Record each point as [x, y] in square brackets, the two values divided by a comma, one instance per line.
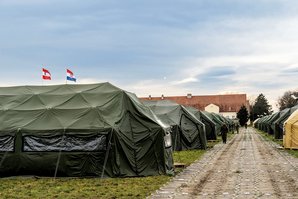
[231, 115]
[212, 108]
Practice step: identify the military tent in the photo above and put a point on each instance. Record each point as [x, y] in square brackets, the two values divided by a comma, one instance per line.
[216, 120]
[210, 126]
[262, 122]
[290, 138]
[229, 122]
[80, 130]
[186, 130]
[279, 123]
[255, 122]
[269, 124]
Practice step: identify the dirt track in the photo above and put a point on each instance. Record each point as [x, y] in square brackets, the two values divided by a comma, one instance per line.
[245, 167]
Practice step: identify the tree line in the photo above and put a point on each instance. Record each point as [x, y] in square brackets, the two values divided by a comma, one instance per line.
[260, 106]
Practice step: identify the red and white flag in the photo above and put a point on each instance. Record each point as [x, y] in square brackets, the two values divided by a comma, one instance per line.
[46, 75]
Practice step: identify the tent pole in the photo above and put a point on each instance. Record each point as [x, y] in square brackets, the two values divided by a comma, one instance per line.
[59, 156]
[57, 165]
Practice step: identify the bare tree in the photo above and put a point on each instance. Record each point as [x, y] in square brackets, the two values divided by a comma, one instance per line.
[287, 100]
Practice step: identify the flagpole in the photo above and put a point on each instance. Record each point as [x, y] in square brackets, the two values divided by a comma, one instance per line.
[66, 76]
[41, 77]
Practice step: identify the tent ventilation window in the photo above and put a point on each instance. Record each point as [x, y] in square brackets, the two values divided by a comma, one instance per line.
[64, 143]
[6, 143]
[168, 140]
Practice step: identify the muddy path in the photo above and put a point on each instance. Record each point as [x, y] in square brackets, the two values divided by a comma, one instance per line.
[246, 167]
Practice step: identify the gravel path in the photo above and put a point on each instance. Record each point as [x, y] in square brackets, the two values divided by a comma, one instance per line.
[246, 167]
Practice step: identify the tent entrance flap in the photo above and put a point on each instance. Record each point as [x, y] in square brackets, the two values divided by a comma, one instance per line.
[141, 147]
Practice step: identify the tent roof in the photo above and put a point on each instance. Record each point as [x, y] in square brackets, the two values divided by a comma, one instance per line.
[199, 114]
[72, 106]
[169, 112]
[293, 118]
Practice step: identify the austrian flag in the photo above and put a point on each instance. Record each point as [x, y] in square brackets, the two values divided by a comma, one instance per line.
[70, 76]
[46, 75]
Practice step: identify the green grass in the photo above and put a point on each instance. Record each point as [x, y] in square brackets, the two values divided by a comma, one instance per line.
[109, 188]
[270, 137]
[80, 188]
[187, 157]
[279, 142]
[293, 152]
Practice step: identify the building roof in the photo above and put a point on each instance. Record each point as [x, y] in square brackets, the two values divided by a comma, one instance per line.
[226, 103]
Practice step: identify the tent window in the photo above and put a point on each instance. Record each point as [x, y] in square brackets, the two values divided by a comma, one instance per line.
[65, 143]
[6, 143]
[168, 140]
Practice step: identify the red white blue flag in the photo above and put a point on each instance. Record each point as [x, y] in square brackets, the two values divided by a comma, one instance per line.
[70, 76]
[46, 75]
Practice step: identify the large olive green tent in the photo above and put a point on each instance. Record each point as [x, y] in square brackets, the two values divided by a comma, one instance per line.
[187, 131]
[210, 126]
[79, 130]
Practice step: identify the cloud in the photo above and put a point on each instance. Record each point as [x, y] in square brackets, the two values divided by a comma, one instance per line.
[290, 71]
[202, 47]
[217, 73]
[185, 81]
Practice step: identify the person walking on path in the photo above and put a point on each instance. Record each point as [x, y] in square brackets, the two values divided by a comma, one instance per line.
[224, 132]
[237, 128]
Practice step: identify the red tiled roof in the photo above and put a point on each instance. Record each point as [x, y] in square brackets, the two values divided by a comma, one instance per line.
[226, 103]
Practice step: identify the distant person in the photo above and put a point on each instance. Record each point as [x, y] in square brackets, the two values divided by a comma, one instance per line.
[237, 128]
[245, 125]
[224, 131]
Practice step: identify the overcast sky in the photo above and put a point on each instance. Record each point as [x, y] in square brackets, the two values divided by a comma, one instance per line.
[154, 47]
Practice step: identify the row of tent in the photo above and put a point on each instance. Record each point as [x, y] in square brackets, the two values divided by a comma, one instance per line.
[282, 125]
[190, 128]
[95, 130]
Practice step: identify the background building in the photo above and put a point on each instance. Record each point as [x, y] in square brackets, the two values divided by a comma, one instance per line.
[226, 105]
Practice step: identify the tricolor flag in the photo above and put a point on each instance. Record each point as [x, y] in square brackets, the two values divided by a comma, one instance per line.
[46, 75]
[70, 76]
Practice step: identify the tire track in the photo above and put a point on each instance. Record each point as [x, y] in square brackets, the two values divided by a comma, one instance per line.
[282, 181]
[220, 164]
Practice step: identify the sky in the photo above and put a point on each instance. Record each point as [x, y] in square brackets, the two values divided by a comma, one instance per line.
[154, 47]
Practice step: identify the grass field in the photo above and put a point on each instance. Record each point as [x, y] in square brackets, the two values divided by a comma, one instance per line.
[80, 188]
